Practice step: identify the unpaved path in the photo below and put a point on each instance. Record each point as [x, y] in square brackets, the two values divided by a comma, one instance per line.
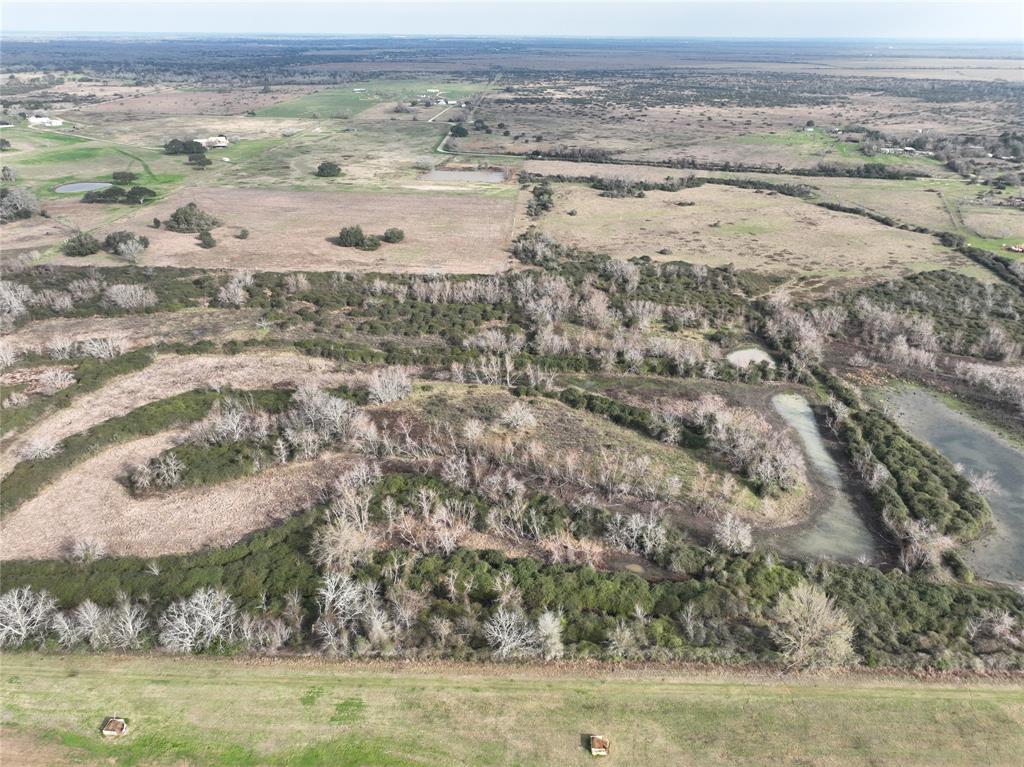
[170, 375]
[89, 502]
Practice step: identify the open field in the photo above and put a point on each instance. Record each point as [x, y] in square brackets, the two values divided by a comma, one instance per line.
[293, 231]
[91, 502]
[297, 712]
[752, 230]
[167, 376]
[184, 326]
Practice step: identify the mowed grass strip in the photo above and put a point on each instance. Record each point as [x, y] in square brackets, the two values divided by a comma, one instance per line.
[236, 712]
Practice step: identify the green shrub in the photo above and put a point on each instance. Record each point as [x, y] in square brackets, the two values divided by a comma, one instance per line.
[191, 219]
[351, 237]
[393, 235]
[80, 244]
[328, 169]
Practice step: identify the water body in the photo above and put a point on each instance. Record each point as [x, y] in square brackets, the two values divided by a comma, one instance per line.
[1000, 554]
[476, 176]
[837, 532]
[742, 358]
[81, 186]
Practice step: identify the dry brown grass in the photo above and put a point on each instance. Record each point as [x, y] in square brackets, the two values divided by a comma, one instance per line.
[227, 101]
[88, 501]
[292, 230]
[170, 375]
[186, 326]
[752, 230]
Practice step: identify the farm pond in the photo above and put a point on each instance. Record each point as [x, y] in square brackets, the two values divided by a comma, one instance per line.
[483, 176]
[81, 186]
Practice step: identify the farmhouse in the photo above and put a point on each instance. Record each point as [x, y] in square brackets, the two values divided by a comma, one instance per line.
[213, 142]
[44, 122]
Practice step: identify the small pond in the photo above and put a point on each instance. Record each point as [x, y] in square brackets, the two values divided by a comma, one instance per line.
[1000, 554]
[81, 186]
[837, 530]
[475, 176]
[742, 358]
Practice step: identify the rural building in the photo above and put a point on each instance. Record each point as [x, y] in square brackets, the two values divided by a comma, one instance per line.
[44, 122]
[213, 142]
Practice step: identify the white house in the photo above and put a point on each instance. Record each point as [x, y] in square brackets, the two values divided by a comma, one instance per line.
[44, 122]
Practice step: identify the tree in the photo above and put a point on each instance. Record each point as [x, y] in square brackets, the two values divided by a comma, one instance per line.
[510, 634]
[123, 177]
[206, 619]
[393, 235]
[4, 145]
[191, 219]
[7, 175]
[137, 195]
[80, 244]
[199, 161]
[809, 630]
[459, 131]
[17, 202]
[371, 242]
[125, 244]
[351, 237]
[177, 146]
[243, 234]
[389, 384]
[328, 169]
[206, 239]
[549, 629]
[24, 615]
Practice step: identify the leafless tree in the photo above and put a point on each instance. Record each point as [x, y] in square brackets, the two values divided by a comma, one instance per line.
[510, 634]
[389, 384]
[130, 296]
[25, 615]
[200, 622]
[518, 416]
[39, 449]
[53, 380]
[810, 630]
[733, 534]
[103, 348]
[549, 632]
[8, 354]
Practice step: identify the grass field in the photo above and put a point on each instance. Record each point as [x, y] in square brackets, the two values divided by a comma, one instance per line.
[357, 97]
[242, 712]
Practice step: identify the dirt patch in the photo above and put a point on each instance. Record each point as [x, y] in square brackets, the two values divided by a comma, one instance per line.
[137, 330]
[293, 230]
[24, 750]
[226, 101]
[168, 376]
[89, 502]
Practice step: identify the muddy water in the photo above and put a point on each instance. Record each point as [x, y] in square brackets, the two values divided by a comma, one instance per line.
[81, 186]
[837, 531]
[477, 176]
[963, 440]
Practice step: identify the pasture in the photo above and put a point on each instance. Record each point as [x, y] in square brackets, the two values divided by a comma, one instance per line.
[304, 712]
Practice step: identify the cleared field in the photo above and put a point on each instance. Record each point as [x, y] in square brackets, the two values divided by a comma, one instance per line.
[187, 325]
[90, 502]
[753, 230]
[170, 375]
[305, 712]
[293, 230]
[180, 101]
[355, 98]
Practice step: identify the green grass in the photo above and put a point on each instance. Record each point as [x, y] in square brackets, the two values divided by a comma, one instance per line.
[345, 102]
[228, 712]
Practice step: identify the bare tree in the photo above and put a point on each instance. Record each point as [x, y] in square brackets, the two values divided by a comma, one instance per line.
[130, 296]
[549, 631]
[733, 534]
[809, 630]
[203, 620]
[389, 384]
[510, 634]
[25, 615]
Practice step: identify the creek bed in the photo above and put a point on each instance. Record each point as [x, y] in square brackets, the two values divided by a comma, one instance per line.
[837, 531]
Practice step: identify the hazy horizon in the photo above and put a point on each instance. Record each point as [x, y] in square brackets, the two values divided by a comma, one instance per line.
[915, 21]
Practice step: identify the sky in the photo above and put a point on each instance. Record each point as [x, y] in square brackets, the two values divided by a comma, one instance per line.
[883, 19]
